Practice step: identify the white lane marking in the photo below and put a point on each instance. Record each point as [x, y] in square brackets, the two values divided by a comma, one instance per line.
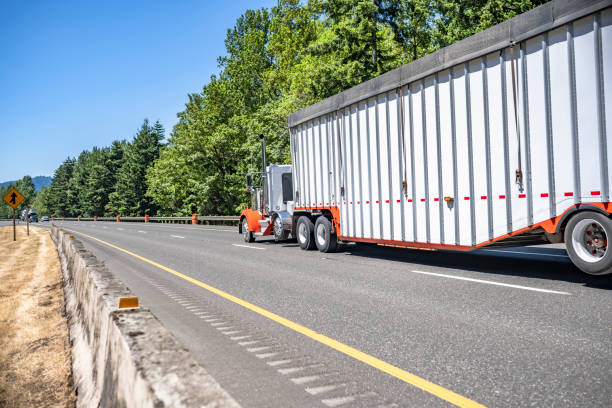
[290, 370]
[524, 253]
[177, 236]
[120, 229]
[143, 232]
[305, 379]
[278, 362]
[492, 283]
[335, 402]
[240, 337]
[220, 230]
[320, 389]
[265, 355]
[248, 246]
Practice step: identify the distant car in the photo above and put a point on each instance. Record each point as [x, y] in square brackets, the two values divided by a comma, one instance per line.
[44, 218]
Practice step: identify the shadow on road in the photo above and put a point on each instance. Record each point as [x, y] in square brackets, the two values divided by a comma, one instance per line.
[492, 263]
[495, 263]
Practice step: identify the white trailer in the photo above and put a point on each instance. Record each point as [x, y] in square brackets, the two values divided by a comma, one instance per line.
[500, 139]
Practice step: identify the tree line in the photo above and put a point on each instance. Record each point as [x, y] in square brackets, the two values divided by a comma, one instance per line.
[277, 61]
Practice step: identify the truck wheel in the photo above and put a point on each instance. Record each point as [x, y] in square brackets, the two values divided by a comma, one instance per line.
[326, 240]
[586, 239]
[279, 233]
[305, 233]
[246, 234]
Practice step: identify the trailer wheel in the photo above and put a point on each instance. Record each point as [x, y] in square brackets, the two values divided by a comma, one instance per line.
[305, 233]
[586, 239]
[246, 234]
[325, 239]
[280, 234]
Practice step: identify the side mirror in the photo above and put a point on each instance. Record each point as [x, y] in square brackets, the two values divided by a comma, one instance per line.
[249, 181]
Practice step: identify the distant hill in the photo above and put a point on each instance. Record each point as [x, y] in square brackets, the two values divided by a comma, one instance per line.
[39, 182]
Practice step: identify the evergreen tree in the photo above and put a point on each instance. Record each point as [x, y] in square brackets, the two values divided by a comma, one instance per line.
[129, 196]
[276, 62]
[58, 190]
[458, 19]
[26, 187]
[77, 186]
[98, 183]
[5, 210]
[41, 202]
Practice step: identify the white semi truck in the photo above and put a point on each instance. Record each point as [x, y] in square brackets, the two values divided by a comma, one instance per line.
[498, 140]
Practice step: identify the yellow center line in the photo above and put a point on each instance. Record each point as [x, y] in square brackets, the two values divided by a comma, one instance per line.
[372, 361]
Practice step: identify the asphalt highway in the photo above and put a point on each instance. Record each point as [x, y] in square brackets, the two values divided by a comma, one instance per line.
[502, 328]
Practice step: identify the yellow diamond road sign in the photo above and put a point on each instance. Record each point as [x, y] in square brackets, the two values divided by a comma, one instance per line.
[13, 198]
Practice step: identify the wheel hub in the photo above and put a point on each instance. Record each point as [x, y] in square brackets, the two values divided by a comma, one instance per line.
[590, 240]
[595, 239]
[278, 227]
[302, 232]
[321, 234]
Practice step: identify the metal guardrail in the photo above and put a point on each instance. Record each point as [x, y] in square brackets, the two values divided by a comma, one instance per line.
[200, 219]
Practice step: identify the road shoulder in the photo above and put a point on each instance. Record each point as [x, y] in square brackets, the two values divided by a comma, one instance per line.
[35, 362]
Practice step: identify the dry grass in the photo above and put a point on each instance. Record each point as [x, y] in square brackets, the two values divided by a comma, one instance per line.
[34, 344]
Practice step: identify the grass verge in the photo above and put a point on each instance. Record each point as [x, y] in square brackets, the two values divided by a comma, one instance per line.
[35, 365]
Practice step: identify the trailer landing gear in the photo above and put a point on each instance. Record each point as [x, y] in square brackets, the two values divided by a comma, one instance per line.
[586, 239]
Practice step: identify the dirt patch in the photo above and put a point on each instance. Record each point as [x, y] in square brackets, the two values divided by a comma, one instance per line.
[35, 346]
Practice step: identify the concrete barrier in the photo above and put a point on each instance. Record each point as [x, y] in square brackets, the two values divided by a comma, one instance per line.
[125, 357]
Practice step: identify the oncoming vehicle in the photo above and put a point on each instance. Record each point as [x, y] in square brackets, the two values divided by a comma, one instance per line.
[44, 218]
[498, 140]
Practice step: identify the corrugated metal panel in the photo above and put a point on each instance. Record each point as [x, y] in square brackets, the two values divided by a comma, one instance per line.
[396, 155]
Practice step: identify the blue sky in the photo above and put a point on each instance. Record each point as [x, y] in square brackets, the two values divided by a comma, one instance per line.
[78, 74]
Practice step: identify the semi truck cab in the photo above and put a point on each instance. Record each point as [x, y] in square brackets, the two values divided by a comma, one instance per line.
[272, 203]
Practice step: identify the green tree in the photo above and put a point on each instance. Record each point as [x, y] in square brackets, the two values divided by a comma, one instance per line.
[58, 190]
[412, 24]
[360, 40]
[98, 183]
[276, 62]
[458, 19]
[41, 202]
[26, 187]
[129, 195]
[77, 185]
[5, 210]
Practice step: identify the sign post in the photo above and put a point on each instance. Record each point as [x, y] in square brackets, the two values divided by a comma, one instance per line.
[14, 198]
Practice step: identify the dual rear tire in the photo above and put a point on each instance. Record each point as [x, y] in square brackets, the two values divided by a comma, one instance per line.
[319, 234]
